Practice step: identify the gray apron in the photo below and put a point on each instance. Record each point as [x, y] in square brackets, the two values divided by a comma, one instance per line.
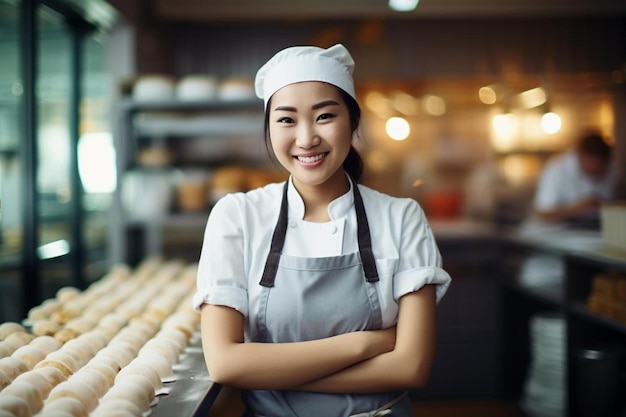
[313, 298]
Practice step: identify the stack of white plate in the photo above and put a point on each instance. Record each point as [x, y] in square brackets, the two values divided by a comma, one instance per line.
[545, 393]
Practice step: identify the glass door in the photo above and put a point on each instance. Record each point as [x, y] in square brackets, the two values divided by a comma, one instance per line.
[10, 165]
[56, 153]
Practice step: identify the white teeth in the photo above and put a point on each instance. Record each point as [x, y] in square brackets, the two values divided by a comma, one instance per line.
[310, 159]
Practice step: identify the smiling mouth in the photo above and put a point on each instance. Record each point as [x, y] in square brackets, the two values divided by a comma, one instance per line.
[311, 159]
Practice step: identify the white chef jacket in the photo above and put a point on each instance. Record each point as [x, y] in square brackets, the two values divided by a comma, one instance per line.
[240, 227]
[563, 182]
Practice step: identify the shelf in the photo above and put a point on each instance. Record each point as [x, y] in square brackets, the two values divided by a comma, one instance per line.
[243, 124]
[579, 310]
[178, 220]
[185, 106]
[198, 134]
[549, 294]
[601, 257]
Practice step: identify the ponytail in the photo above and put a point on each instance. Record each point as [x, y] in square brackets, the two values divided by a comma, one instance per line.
[353, 164]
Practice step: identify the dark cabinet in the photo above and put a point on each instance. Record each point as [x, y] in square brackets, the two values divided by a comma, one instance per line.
[593, 342]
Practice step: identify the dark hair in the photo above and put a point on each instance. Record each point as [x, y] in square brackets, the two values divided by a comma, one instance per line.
[353, 164]
[593, 144]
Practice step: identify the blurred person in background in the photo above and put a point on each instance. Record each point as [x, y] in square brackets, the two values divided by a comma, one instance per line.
[574, 184]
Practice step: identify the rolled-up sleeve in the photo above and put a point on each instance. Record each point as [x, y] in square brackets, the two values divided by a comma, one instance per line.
[420, 260]
[221, 278]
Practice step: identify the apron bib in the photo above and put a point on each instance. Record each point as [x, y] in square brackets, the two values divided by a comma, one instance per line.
[312, 298]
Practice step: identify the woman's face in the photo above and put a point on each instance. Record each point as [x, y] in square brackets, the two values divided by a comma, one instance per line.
[310, 132]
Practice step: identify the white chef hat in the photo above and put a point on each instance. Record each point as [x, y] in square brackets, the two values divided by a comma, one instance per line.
[305, 63]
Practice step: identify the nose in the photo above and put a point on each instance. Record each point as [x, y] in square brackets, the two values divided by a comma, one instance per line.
[307, 136]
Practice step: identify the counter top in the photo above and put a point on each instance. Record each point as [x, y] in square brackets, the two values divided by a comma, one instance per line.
[192, 393]
[570, 242]
[463, 228]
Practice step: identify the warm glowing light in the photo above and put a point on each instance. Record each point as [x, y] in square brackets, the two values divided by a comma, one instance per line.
[504, 125]
[397, 128]
[405, 103]
[487, 95]
[403, 5]
[551, 123]
[377, 103]
[505, 129]
[434, 105]
[520, 169]
[532, 98]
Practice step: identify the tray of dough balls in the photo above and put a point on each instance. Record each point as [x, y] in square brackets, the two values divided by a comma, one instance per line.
[118, 348]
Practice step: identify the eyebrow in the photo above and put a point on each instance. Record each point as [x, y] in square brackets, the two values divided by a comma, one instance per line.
[313, 107]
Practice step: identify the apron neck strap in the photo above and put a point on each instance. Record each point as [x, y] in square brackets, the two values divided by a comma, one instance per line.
[280, 231]
[363, 236]
[278, 241]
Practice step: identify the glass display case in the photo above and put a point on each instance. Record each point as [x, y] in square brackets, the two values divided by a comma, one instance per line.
[53, 120]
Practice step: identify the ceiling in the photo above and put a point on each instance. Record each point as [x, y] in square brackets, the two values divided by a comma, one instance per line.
[205, 10]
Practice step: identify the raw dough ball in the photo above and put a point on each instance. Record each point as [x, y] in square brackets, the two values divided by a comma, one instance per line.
[102, 368]
[15, 405]
[74, 389]
[45, 327]
[20, 338]
[61, 360]
[79, 350]
[158, 362]
[136, 339]
[10, 327]
[95, 380]
[97, 340]
[187, 323]
[139, 368]
[44, 310]
[28, 392]
[30, 355]
[37, 380]
[47, 344]
[135, 388]
[163, 347]
[53, 375]
[68, 405]
[67, 293]
[4, 380]
[118, 353]
[177, 336]
[65, 334]
[126, 346]
[113, 321]
[7, 348]
[12, 367]
[106, 361]
[143, 327]
[80, 325]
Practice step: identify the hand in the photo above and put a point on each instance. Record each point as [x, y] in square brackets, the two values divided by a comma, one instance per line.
[584, 206]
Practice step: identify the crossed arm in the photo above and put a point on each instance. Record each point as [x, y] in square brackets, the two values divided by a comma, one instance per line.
[367, 361]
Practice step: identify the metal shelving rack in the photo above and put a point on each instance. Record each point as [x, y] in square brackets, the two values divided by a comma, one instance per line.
[179, 121]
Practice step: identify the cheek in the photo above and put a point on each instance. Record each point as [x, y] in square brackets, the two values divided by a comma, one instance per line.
[278, 143]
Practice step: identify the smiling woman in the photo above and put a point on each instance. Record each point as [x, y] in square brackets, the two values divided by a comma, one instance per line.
[334, 284]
